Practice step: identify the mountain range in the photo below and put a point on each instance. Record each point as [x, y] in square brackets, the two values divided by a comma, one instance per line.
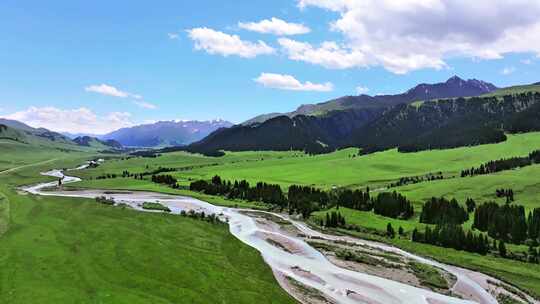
[454, 113]
[165, 133]
[453, 87]
[429, 116]
[23, 133]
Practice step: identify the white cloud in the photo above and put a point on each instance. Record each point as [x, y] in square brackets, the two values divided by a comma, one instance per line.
[527, 61]
[108, 90]
[215, 42]
[329, 54]
[81, 120]
[508, 70]
[408, 35]
[145, 105]
[288, 82]
[361, 90]
[173, 36]
[275, 26]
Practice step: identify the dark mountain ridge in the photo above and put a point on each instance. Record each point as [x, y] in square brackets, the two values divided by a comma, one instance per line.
[38, 132]
[347, 121]
[454, 87]
[88, 141]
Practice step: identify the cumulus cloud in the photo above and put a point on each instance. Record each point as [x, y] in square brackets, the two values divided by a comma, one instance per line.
[288, 82]
[108, 90]
[329, 54]
[219, 43]
[81, 120]
[361, 90]
[408, 35]
[275, 26]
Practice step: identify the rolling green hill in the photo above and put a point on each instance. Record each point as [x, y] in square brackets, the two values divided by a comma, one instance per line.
[63, 250]
[346, 169]
[422, 125]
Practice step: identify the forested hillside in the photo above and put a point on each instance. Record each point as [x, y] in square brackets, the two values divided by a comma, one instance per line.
[434, 124]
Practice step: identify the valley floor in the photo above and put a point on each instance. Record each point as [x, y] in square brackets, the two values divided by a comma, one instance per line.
[104, 245]
[63, 250]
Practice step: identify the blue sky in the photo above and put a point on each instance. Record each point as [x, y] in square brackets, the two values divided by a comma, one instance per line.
[99, 65]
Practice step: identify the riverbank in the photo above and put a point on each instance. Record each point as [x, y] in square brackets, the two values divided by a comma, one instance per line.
[247, 229]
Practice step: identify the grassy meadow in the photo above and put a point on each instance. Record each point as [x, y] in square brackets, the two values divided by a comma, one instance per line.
[72, 230]
[375, 170]
[64, 250]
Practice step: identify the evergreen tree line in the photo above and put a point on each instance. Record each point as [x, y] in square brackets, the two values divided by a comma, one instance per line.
[453, 236]
[305, 200]
[334, 220]
[393, 205]
[166, 180]
[471, 205]
[261, 192]
[355, 199]
[507, 193]
[417, 179]
[443, 211]
[503, 164]
[507, 223]
[127, 174]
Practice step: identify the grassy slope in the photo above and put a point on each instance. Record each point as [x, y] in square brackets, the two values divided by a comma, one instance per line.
[337, 168]
[482, 188]
[514, 90]
[376, 169]
[15, 154]
[62, 250]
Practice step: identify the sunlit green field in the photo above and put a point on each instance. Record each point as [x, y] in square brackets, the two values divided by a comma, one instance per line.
[324, 171]
[525, 183]
[63, 250]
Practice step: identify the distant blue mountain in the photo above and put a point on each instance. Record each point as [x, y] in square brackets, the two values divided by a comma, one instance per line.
[165, 133]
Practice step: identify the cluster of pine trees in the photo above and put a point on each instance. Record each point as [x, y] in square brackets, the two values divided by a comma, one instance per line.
[166, 180]
[357, 199]
[508, 193]
[471, 205]
[334, 220]
[443, 211]
[305, 200]
[393, 205]
[261, 192]
[508, 222]
[127, 174]
[453, 236]
[503, 164]
[417, 179]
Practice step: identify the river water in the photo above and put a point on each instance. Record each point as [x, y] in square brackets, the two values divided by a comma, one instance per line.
[341, 285]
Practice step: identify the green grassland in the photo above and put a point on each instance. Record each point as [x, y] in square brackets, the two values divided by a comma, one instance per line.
[64, 250]
[514, 90]
[482, 188]
[374, 170]
[324, 171]
[15, 154]
[285, 168]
